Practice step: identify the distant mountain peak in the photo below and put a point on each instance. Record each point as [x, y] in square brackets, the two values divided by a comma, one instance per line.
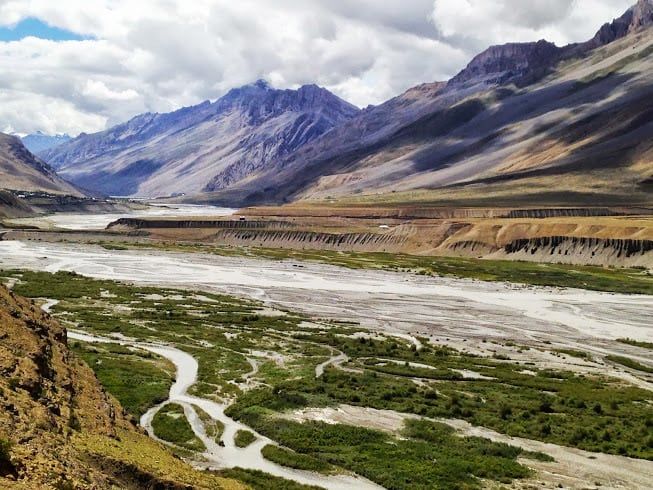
[203, 147]
[500, 63]
[525, 62]
[39, 141]
[635, 18]
[263, 84]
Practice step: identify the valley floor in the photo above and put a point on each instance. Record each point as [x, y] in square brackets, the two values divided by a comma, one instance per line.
[569, 368]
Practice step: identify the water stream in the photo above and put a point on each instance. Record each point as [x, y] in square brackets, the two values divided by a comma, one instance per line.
[217, 456]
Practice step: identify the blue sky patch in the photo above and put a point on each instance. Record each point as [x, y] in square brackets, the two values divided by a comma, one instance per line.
[37, 28]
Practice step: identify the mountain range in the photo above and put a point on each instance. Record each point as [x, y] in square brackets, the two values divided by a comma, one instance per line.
[205, 147]
[20, 170]
[40, 141]
[522, 122]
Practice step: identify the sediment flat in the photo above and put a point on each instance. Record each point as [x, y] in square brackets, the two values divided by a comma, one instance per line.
[387, 301]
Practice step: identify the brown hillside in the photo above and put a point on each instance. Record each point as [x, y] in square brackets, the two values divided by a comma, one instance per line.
[58, 428]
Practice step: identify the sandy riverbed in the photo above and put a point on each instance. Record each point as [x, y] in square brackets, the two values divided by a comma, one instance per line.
[399, 303]
[87, 222]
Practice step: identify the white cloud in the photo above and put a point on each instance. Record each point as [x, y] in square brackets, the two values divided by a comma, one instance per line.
[98, 90]
[475, 23]
[158, 55]
[26, 112]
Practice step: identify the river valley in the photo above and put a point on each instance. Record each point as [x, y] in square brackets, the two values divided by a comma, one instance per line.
[529, 325]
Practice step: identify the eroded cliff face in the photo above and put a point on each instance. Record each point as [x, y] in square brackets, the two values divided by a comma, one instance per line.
[600, 236]
[582, 240]
[592, 250]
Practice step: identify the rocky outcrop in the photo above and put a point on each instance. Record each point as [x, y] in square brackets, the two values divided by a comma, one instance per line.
[509, 62]
[523, 63]
[636, 18]
[47, 395]
[642, 15]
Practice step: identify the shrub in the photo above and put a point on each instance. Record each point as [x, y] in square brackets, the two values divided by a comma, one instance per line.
[546, 406]
[6, 466]
[505, 412]
[244, 438]
[546, 430]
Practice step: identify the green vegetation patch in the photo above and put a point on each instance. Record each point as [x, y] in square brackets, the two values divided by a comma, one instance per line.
[292, 459]
[170, 424]
[259, 480]
[6, 466]
[114, 246]
[637, 343]
[214, 428]
[138, 379]
[630, 363]
[592, 413]
[575, 353]
[430, 456]
[244, 438]
[217, 330]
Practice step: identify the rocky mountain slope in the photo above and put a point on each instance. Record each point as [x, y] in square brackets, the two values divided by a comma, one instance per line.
[20, 170]
[522, 123]
[59, 429]
[202, 148]
[39, 142]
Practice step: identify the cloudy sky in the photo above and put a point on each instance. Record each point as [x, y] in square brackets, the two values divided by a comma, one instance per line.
[84, 65]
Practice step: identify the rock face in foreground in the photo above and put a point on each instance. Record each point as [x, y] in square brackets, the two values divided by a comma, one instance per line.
[59, 429]
[46, 395]
[205, 147]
